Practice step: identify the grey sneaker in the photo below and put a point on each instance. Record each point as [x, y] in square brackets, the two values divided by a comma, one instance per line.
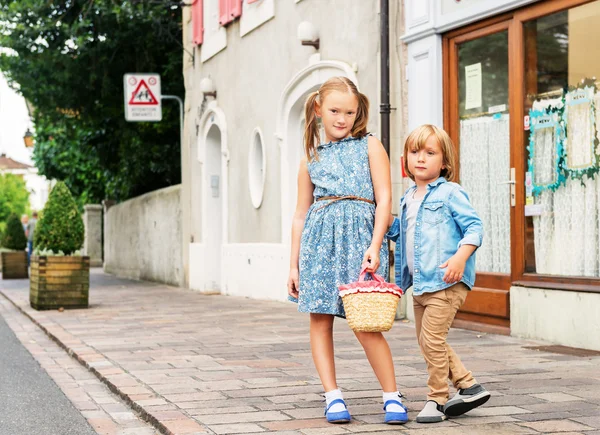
[431, 413]
[465, 400]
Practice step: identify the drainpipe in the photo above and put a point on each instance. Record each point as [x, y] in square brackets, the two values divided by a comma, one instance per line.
[385, 108]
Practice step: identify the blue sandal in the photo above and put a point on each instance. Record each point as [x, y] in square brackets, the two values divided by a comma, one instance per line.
[337, 417]
[395, 417]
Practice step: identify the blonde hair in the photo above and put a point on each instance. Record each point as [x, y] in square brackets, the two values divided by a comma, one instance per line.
[416, 140]
[311, 129]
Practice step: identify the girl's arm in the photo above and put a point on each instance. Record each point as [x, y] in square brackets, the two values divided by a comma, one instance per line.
[305, 199]
[379, 164]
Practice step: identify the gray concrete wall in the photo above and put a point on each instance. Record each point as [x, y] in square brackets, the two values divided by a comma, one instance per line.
[92, 243]
[142, 237]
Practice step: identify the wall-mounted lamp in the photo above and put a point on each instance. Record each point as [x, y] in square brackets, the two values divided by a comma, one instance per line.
[207, 87]
[308, 34]
[28, 139]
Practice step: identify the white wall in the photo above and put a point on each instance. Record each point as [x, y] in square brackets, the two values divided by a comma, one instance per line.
[142, 237]
[568, 318]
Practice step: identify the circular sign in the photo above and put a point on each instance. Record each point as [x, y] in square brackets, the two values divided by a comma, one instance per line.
[152, 81]
[132, 81]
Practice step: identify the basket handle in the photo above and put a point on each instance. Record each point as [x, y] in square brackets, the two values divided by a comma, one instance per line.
[375, 277]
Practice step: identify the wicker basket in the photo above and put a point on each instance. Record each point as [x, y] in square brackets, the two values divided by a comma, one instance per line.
[370, 305]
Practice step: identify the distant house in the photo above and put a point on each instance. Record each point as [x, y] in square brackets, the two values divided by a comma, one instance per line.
[38, 186]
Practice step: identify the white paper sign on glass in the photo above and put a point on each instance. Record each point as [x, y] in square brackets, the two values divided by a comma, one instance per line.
[473, 86]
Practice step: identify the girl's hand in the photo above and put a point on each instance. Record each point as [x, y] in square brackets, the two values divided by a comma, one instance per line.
[371, 260]
[292, 283]
[455, 267]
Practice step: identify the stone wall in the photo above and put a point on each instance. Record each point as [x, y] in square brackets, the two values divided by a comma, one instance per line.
[142, 237]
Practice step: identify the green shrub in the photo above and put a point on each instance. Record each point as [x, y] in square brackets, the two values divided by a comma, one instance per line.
[14, 235]
[60, 227]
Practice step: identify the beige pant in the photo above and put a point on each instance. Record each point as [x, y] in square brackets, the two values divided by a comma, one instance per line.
[434, 313]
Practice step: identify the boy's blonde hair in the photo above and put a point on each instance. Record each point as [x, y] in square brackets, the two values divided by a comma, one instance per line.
[416, 140]
[311, 129]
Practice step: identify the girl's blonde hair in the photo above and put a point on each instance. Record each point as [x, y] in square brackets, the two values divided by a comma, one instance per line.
[416, 140]
[311, 129]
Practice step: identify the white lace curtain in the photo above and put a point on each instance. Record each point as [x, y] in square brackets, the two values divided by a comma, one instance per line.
[484, 171]
[566, 233]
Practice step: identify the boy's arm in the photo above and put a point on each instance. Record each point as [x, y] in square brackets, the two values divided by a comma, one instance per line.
[393, 231]
[467, 219]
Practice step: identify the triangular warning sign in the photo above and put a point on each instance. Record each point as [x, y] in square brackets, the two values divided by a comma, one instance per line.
[143, 96]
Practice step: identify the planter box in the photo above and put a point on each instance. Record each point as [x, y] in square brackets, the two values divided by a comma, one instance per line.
[14, 265]
[59, 282]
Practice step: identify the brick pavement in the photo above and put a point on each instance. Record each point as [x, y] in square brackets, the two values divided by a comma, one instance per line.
[104, 411]
[196, 364]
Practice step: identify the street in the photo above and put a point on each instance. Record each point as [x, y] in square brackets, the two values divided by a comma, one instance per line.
[30, 402]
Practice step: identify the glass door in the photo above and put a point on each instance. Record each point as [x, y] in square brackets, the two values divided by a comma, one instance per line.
[479, 123]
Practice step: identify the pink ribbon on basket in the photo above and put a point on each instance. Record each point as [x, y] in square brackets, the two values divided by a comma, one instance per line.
[376, 285]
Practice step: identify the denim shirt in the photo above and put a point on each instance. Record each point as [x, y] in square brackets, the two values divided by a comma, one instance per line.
[445, 221]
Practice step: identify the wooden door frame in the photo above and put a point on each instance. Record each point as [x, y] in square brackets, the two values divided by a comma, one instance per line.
[512, 22]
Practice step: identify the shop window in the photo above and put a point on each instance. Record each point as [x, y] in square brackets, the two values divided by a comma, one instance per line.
[256, 168]
[562, 180]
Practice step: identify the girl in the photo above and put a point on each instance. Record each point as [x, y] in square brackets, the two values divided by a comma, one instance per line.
[436, 238]
[344, 199]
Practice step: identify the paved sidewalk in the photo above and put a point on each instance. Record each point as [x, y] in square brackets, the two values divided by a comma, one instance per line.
[104, 411]
[196, 364]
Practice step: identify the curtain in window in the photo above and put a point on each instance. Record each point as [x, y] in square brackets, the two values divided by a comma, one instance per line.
[484, 171]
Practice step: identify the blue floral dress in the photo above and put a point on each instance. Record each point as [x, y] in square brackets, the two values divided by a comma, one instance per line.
[336, 237]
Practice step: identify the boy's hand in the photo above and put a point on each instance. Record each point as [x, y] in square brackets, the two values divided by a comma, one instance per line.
[455, 267]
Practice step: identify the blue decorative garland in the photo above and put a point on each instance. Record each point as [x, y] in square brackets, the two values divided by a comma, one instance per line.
[583, 94]
[540, 119]
[556, 117]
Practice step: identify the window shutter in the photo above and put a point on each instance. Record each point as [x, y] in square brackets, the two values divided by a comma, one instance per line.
[198, 22]
[224, 12]
[235, 9]
[229, 10]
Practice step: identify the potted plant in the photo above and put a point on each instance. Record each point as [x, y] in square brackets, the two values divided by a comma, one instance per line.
[14, 262]
[60, 275]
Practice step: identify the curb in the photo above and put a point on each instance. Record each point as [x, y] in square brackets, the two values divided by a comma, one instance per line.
[143, 414]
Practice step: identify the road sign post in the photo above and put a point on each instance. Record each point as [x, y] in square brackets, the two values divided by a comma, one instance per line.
[143, 99]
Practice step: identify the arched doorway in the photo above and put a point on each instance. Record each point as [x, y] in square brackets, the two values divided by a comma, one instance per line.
[291, 129]
[206, 268]
[213, 208]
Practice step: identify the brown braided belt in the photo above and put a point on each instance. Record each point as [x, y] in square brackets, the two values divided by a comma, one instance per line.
[333, 199]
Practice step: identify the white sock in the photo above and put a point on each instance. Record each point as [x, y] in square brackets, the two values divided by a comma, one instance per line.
[330, 396]
[393, 407]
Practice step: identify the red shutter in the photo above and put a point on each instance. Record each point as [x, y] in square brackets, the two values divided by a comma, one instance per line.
[198, 22]
[235, 9]
[223, 12]
[229, 10]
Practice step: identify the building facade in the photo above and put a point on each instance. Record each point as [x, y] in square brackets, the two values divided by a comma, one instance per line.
[244, 144]
[515, 84]
[37, 186]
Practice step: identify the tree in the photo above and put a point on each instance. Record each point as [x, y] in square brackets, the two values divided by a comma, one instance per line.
[68, 59]
[13, 236]
[60, 227]
[14, 198]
